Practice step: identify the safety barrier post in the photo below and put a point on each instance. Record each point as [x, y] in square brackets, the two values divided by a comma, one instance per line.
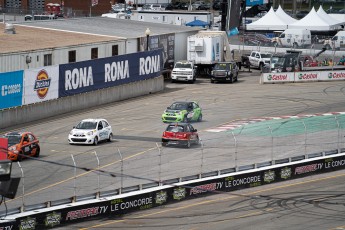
[305, 138]
[160, 165]
[22, 208]
[202, 157]
[98, 175]
[235, 149]
[120, 190]
[74, 181]
[269, 127]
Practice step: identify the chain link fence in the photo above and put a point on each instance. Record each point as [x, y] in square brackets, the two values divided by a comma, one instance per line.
[121, 169]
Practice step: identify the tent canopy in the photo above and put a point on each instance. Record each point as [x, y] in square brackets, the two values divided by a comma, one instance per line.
[271, 21]
[327, 18]
[197, 23]
[287, 18]
[314, 22]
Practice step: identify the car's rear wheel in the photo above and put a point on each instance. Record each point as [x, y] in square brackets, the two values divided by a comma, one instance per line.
[200, 117]
[95, 141]
[37, 152]
[110, 137]
[164, 144]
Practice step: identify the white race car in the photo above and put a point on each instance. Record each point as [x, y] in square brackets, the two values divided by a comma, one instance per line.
[91, 131]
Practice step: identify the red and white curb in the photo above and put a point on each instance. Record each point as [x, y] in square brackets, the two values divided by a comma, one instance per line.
[239, 123]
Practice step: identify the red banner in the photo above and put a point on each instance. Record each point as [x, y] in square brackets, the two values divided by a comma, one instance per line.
[3, 148]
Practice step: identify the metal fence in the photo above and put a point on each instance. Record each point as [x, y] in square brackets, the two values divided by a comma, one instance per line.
[122, 169]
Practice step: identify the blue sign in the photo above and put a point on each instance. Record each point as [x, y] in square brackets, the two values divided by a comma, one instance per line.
[11, 84]
[86, 76]
[255, 2]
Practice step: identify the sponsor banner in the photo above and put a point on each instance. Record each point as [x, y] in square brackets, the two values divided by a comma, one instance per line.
[332, 75]
[86, 76]
[121, 206]
[277, 77]
[41, 84]
[11, 84]
[307, 76]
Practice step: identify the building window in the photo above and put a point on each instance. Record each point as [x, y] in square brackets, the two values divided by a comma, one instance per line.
[72, 56]
[47, 59]
[94, 53]
[115, 50]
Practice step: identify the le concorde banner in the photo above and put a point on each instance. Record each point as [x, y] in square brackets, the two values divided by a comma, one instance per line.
[86, 76]
[118, 207]
[11, 84]
[41, 84]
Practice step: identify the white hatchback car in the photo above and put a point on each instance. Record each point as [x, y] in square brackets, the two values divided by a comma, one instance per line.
[91, 131]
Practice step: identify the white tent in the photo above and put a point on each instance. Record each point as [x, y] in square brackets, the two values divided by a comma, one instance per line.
[287, 18]
[327, 18]
[314, 22]
[268, 22]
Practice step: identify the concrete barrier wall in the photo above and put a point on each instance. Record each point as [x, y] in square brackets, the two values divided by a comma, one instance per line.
[33, 112]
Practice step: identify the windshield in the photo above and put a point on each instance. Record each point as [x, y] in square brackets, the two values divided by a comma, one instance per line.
[275, 59]
[87, 125]
[183, 65]
[220, 67]
[178, 106]
[280, 61]
[266, 55]
[13, 139]
[175, 128]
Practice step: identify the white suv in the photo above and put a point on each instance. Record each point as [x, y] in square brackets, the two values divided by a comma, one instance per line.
[91, 131]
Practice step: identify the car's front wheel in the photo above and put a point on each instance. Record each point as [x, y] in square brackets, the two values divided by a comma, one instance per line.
[188, 144]
[110, 138]
[95, 141]
[37, 152]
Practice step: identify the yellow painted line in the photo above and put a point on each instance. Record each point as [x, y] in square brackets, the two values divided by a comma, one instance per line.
[82, 174]
[338, 228]
[232, 196]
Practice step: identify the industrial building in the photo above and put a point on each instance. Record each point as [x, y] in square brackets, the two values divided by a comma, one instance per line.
[33, 44]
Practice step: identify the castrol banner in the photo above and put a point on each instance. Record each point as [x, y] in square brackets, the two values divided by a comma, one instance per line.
[277, 77]
[307, 76]
[332, 75]
[41, 84]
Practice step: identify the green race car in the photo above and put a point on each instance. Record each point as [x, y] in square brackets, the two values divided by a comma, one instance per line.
[182, 111]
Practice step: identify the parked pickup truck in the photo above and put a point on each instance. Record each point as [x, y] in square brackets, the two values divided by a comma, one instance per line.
[259, 60]
[184, 71]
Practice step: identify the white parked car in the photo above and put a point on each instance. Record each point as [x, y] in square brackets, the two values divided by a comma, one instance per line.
[91, 131]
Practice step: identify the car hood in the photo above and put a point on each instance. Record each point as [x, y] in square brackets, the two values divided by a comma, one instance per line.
[172, 111]
[81, 131]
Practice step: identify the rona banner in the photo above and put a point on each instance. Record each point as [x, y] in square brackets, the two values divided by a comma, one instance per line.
[86, 76]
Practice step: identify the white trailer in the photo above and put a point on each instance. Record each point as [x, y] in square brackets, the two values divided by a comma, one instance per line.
[208, 47]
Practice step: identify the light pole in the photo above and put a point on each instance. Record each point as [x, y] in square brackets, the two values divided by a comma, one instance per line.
[147, 33]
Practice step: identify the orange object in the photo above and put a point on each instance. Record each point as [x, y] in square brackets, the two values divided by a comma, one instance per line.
[21, 145]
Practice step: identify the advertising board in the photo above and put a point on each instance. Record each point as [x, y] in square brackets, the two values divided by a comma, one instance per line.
[122, 204]
[277, 77]
[3, 148]
[332, 75]
[41, 84]
[11, 89]
[86, 76]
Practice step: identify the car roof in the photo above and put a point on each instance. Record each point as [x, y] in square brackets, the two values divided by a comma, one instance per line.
[184, 102]
[178, 124]
[93, 120]
[14, 134]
